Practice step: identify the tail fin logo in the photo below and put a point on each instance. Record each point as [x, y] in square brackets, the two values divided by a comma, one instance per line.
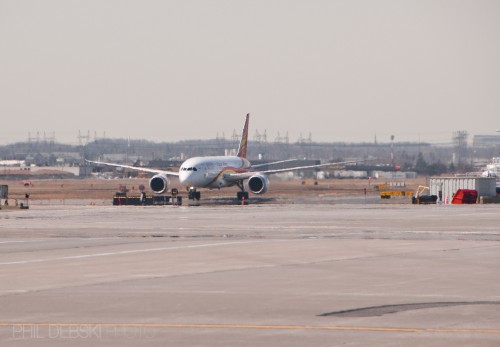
[242, 150]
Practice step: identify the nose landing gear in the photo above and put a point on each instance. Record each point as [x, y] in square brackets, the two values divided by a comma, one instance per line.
[193, 194]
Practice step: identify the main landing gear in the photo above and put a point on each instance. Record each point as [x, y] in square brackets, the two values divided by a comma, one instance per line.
[242, 196]
[193, 194]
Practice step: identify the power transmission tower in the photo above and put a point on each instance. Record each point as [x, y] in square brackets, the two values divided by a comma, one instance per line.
[460, 141]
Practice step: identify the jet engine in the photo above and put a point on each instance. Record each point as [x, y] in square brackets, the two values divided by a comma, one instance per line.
[158, 183]
[258, 184]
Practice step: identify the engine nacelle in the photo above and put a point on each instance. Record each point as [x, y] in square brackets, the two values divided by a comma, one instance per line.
[158, 183]
[258, 184]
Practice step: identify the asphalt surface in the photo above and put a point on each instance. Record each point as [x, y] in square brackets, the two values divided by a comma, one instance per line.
[262, 275]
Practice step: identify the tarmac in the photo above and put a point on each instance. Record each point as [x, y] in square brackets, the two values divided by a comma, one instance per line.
[256, 275]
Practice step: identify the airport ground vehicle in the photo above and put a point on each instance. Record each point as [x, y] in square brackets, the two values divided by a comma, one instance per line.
[422, 196]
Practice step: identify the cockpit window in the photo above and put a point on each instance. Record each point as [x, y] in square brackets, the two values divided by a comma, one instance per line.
[195, 169]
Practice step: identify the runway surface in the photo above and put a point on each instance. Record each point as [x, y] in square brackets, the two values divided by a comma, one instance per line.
[263, 275]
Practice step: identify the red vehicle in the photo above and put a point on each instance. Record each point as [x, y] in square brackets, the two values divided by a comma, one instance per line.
[465, 196]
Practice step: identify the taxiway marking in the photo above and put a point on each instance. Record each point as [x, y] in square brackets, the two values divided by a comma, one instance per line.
[133, 251]
[256, 327]
[19, 241]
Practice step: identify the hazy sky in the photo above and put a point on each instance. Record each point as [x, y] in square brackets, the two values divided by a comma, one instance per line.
[171, 70]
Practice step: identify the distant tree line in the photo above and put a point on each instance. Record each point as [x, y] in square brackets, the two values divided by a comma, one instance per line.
[421, 157]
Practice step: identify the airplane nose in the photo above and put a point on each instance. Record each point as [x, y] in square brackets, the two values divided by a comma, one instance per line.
[186, 177]
[182, 177]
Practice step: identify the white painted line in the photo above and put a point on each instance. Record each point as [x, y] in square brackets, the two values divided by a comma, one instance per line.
[134, 251]
[19, 241]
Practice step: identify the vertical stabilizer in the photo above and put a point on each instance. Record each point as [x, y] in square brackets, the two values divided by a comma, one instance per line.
[242, 150]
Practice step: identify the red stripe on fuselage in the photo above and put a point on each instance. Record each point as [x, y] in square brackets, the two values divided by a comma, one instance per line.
[230, 170]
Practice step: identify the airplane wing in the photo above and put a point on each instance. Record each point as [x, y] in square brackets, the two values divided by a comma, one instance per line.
[245, 175]
[272, 163]
[143, 169]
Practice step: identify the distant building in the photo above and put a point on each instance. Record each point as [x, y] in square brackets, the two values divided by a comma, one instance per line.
[486, 141]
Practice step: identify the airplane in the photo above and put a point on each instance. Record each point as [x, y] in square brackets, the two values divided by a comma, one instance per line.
[216, 172]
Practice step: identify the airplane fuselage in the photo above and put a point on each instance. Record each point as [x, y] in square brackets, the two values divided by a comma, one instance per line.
[208, 172]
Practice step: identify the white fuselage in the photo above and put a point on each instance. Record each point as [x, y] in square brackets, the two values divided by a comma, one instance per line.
[208, 172]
